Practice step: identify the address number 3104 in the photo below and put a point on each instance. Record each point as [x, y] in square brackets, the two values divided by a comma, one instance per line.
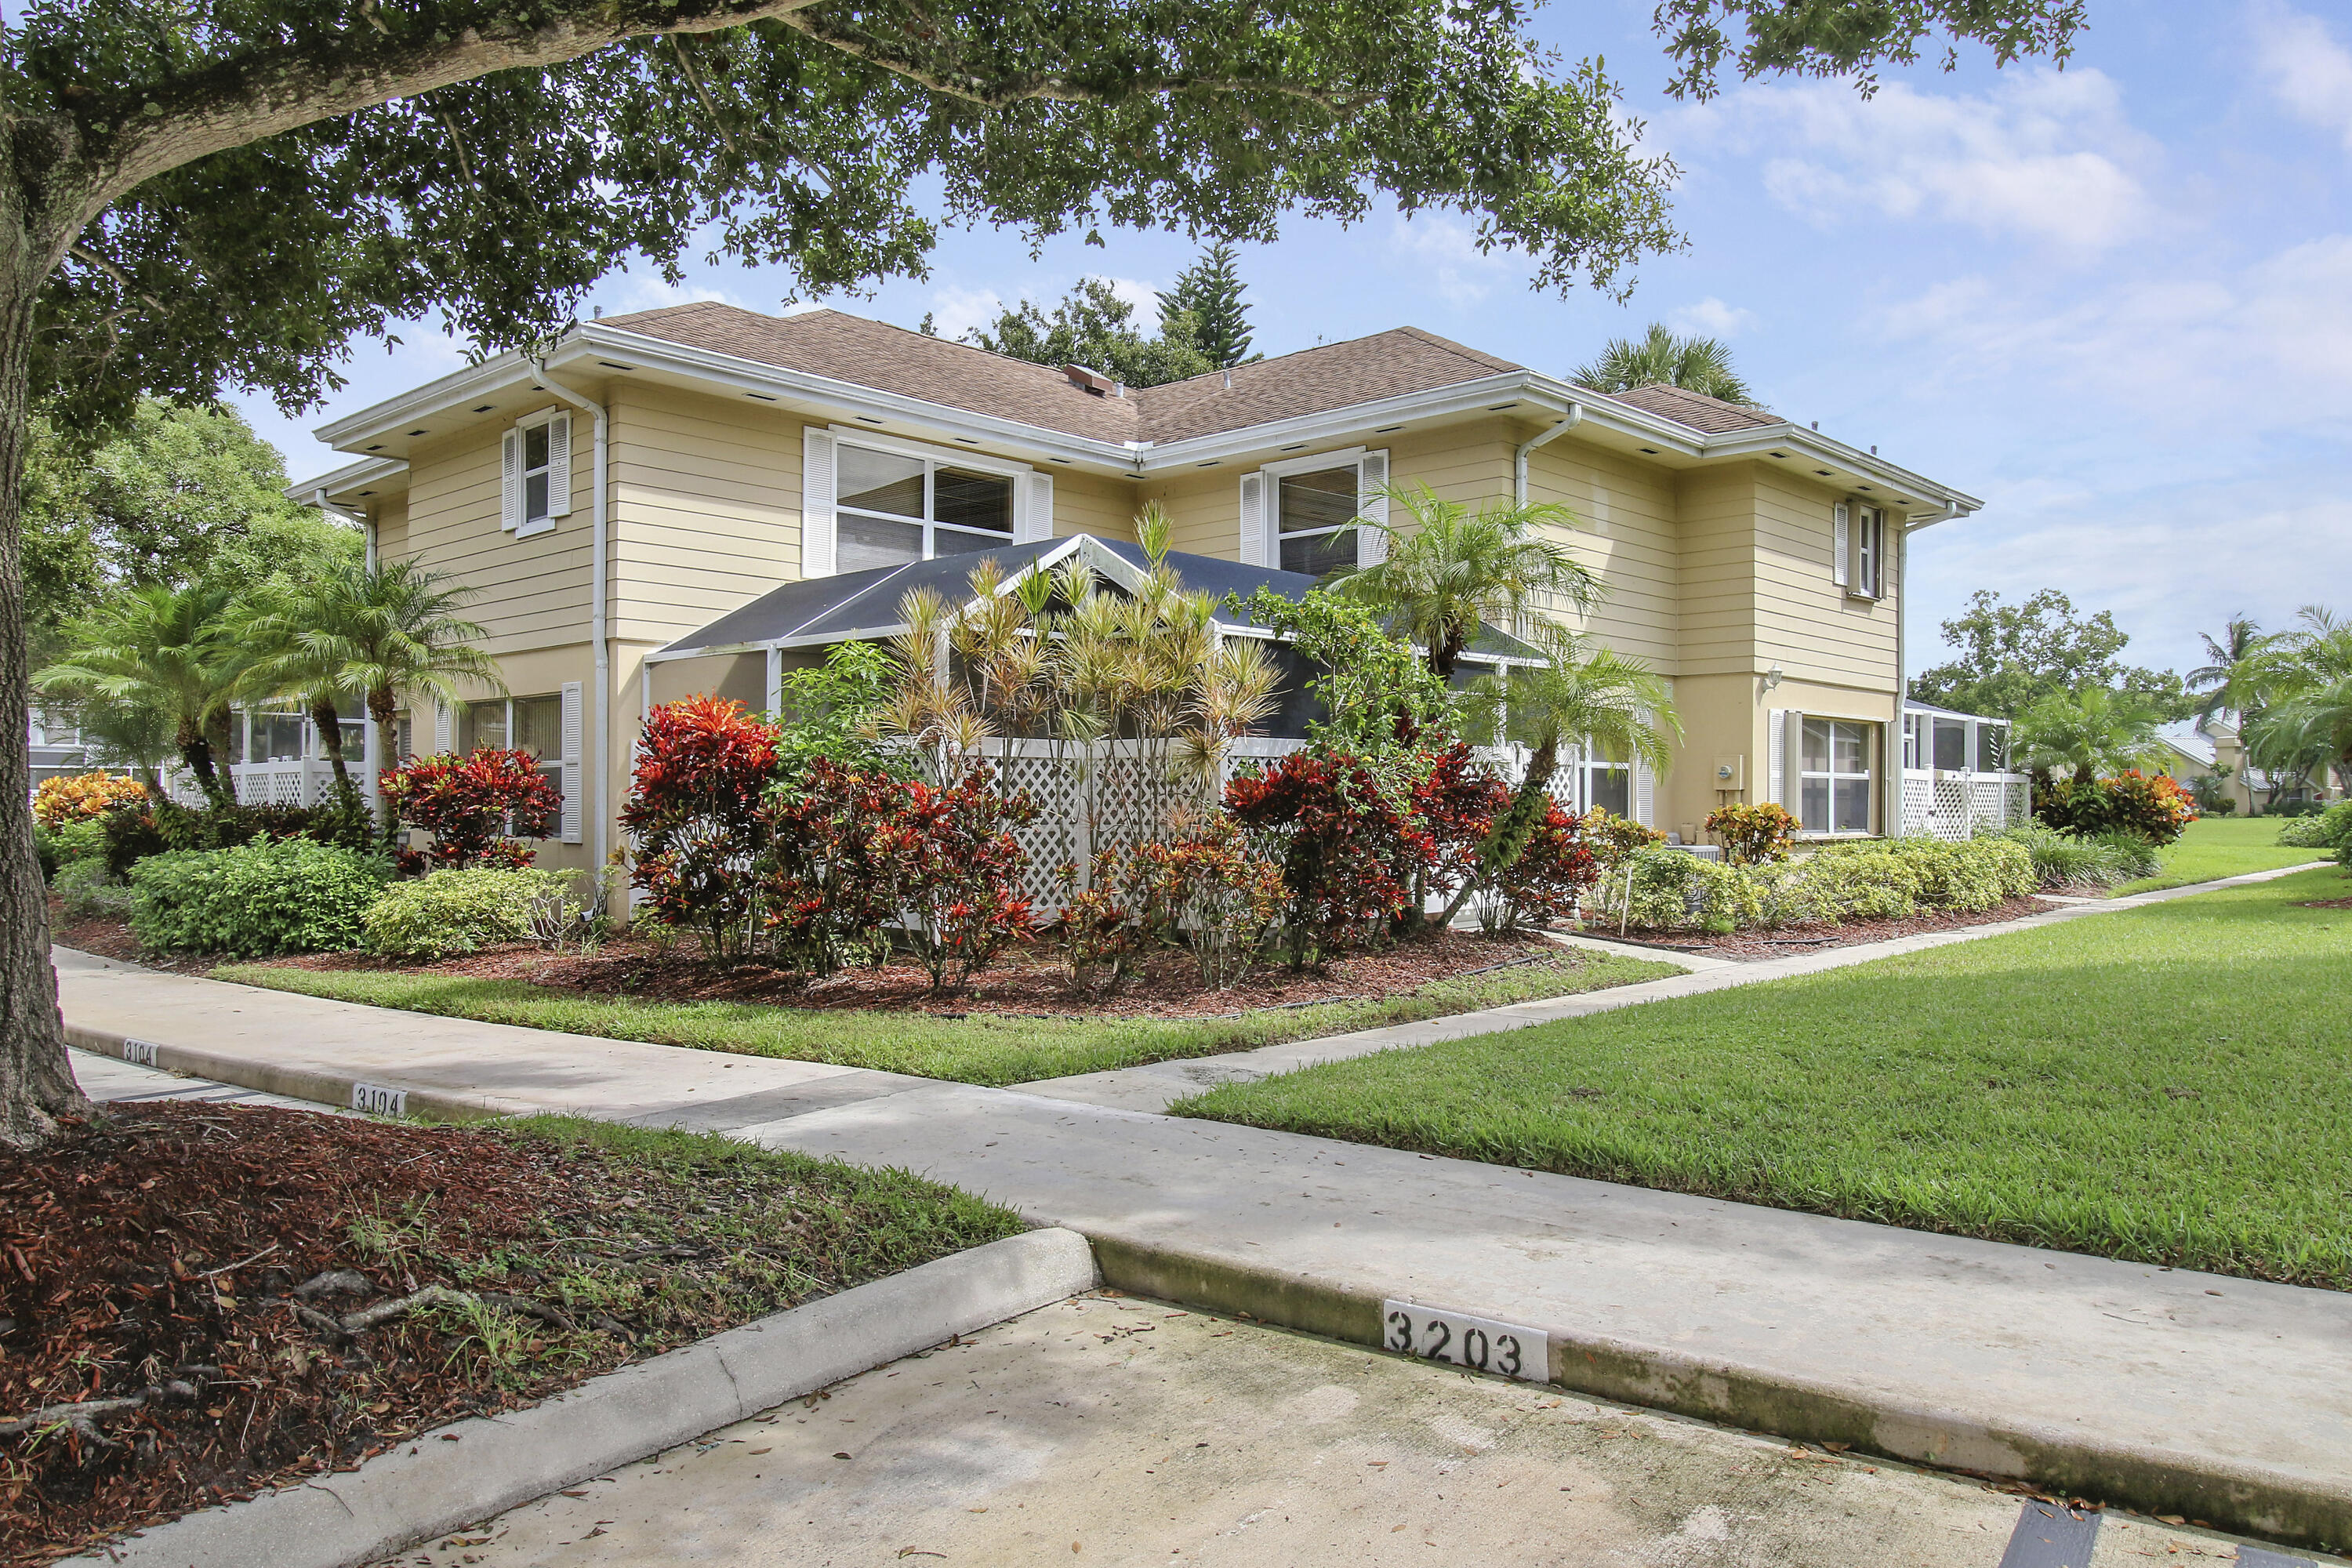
[1458, 1339]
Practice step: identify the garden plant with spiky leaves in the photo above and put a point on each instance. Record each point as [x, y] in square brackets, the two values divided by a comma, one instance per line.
[489, 159]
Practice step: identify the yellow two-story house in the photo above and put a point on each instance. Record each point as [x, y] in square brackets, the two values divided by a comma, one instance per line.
[701, 496]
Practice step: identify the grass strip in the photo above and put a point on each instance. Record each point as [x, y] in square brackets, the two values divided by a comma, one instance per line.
[2218, 847]
[979, 1048]
[2170, 1084]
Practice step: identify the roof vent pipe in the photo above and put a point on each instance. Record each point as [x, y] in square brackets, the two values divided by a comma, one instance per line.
[1520, 456]
[1229, 380]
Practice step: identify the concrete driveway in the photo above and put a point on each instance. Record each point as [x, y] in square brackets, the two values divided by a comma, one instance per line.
[1123, 1431]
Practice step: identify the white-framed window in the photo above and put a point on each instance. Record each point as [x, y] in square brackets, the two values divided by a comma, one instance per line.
[1834, 776]
[1297, 513]
[1608, 781]
[548, 727]
[535, 469]
[870, 501]
[1858, 549]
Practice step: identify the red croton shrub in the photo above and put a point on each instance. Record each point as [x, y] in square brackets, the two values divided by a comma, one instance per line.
[952, 866]
[1348, 843]
[478, 807]
[827, 894]
[699, 810]
[1552, 874]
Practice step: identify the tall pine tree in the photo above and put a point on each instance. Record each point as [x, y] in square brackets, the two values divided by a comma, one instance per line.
[1209, 292]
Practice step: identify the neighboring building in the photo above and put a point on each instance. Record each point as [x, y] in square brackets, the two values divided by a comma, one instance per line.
[55, 742]
[659, 473]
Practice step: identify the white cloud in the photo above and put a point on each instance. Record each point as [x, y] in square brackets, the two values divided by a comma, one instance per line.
[2265, 348]
[1463, 275]
[1711, 317]
[1141, 293]
[2308, 69]
[2046, 156]
[955, 312]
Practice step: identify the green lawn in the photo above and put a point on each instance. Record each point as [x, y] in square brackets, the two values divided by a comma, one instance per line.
[2218, 847]
[2171, 1083]
[978, 1049]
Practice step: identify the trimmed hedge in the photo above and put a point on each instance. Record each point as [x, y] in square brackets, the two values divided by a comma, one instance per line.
[1880, 879]
[259, 899]
[448, 913]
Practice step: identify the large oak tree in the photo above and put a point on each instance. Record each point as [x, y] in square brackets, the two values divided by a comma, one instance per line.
[197, 193]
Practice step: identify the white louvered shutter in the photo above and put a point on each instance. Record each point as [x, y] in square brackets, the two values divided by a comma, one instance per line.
[1036, 510]
[1841, 544]
[559, 466]
[1775, 782]
[574, 780]
[1646, 789]
[1793, 754]
[1372, 505]
[443, 726]
[1254, 547]
[817, 491]
[511, 481]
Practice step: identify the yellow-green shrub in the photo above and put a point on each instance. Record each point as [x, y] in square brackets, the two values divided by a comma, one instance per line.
[463, 911]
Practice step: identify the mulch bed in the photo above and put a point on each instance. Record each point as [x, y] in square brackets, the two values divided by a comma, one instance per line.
[2327, 903]
[201, 1302]
[1752, 946]
[1022, 984]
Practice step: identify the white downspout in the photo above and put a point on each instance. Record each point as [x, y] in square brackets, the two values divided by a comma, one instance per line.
[599, 622]
[1519, 455]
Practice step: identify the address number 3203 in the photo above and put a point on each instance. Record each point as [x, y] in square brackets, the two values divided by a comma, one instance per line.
[1458, 1339]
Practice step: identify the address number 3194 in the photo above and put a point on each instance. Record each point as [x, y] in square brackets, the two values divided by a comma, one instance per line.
[1458, 1339]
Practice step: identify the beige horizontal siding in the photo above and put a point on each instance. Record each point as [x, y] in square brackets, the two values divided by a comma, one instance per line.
[1805, 621]
[706, 507]
[1099, 504]
[1625, 535]
[527, 593]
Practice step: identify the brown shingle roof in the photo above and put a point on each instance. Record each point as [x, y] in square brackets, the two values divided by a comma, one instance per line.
[864, 352]
[1696, 409]
[891, 359]
[1312, 381]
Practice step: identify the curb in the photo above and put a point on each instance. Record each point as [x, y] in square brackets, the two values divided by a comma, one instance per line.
[433, 1487]
[388, 1097]
[2305, 1509]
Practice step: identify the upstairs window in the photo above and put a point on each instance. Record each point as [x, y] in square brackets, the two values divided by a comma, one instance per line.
[1296, 514]
[893, 509]
[1858, 549]
[1315, 509]
[535, 466]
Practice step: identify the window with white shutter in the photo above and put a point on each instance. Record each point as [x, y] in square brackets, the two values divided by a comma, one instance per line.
[1840, 542]
[870, 501]
[572, 782]
[1775, 781]
[1300, 514]
[535, 473]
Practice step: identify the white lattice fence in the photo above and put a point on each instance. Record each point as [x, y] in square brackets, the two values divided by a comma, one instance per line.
[1956, 807]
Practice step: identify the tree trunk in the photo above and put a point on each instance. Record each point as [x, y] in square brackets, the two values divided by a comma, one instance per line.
[197, 757]
[386, 715]
[331, 740]
[37, 1081]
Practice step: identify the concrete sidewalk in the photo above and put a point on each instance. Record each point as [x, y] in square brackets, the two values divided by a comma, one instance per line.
[2214, 1398]
[1158, 1085]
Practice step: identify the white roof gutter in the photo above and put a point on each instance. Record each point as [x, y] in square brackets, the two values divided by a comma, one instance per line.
[1519, 455]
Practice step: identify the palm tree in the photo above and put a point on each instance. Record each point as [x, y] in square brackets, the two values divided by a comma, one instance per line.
[171, 649]
[2231, 681]
[2086, 731]
[289, 660]
[1604, 699]
[377, 633]
[1695, 364]
[2306, 673]
[1452, 568]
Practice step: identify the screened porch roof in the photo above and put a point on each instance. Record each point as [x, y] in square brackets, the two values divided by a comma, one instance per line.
[863, 607]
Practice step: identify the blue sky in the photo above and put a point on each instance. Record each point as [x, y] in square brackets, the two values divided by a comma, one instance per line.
[2115, 301]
